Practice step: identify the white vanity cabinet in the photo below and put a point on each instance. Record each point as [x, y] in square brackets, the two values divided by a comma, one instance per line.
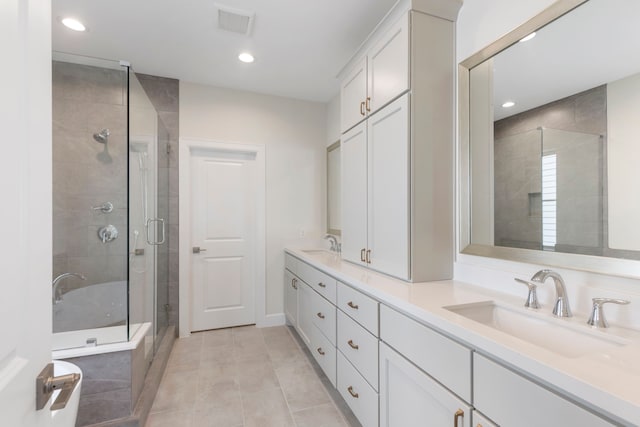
[397, 163]
[409, 397]
[513, 400]
[378, 77]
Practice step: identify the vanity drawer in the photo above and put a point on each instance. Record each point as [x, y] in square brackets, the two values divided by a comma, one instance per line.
[324, 316]
[291, 263]
[324, 352]
[360, 347]
[440, 357]
[506, 397]
[322, 283]
[359, 395]
[358, 306]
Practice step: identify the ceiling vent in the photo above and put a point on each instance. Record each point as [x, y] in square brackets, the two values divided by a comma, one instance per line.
[235, 20]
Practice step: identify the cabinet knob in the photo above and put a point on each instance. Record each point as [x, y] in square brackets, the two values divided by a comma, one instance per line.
[320, 350]
[352, 393]
[320, 315]
[352, 345]
[352, 305]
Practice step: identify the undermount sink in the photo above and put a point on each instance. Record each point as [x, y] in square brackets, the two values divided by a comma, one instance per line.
[560, 336]
[322, 255]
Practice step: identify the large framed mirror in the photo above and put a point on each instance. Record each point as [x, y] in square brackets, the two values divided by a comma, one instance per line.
[550, 140]
[333, 189]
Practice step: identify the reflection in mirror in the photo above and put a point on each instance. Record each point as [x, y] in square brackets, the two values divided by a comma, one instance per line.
[333, 189]
[553, 135]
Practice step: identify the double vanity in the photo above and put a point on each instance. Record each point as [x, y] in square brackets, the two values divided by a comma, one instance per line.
[449, 352]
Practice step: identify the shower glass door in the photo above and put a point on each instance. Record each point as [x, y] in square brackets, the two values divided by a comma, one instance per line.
[148, 212]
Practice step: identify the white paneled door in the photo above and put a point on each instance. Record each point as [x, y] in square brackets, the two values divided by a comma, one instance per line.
[224, 200]
[25, 186]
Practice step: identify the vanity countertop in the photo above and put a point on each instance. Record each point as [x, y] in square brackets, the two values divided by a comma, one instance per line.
[608, 381]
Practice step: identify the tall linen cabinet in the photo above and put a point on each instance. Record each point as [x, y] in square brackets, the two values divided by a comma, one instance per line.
[397, 119]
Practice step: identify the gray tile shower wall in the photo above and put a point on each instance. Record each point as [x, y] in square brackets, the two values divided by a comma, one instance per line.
[87, 173]
[164, 95]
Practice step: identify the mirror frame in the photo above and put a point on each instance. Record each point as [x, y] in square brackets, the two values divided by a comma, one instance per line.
[595, 264]
[334, 231]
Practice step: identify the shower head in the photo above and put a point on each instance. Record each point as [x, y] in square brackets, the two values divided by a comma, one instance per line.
[103, 136]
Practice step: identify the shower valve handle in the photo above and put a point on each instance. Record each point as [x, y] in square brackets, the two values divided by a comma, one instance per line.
[106, 207]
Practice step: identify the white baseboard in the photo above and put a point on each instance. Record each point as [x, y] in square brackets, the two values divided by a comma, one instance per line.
[269, 320]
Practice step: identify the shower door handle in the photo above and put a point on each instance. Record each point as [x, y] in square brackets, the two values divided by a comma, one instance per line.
[149, 222]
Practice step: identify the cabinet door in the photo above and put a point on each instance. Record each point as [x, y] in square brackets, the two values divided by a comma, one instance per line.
[353, 94]
[305, 307]
[388, 66]
[354, 193]
[290, 298]
[409, 397]
[479, 420]
[388, 189]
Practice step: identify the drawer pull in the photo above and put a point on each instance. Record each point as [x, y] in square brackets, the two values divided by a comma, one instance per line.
[293, 284]
[320, 350]
[362, 113]
[352, 345]
[459, 414]
[362, 258]
[366, 104]
[320, 315]
[368, 256]
[322, 285]
[352, 305]
[352, 393]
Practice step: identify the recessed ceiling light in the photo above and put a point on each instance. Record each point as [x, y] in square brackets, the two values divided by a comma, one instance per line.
[508, 104]
[245, 57]
[73, 24]
[527, 38]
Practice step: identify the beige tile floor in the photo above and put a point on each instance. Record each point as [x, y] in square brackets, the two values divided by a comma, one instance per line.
[245, 377]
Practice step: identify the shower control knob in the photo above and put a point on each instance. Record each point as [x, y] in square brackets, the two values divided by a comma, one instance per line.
[108, 233]
[106, 207]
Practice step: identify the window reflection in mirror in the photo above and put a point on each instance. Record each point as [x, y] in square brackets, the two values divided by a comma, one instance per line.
[333, 189]
[554, 137]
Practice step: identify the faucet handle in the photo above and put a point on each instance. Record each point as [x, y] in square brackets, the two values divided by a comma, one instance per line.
[597, 318]
[532, 298]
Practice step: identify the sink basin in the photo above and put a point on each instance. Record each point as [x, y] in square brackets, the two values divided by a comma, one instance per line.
[560, 336]
[322, 255]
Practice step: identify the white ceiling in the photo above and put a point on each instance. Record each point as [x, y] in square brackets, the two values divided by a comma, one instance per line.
[299, 46]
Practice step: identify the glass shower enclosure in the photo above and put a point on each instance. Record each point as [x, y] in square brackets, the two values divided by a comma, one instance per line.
[110, 200]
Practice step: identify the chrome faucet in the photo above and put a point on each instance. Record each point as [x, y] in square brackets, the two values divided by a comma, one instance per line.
[335, 246]
[57, 292]
[561, 307]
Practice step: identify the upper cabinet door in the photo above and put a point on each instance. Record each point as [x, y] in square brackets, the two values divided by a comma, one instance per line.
[354, 194]
[388, 195]
[353, 95]
[388, 66]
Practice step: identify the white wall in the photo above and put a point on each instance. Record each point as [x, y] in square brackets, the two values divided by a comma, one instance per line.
[294, 134]
[623, 151]
[480, 23]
